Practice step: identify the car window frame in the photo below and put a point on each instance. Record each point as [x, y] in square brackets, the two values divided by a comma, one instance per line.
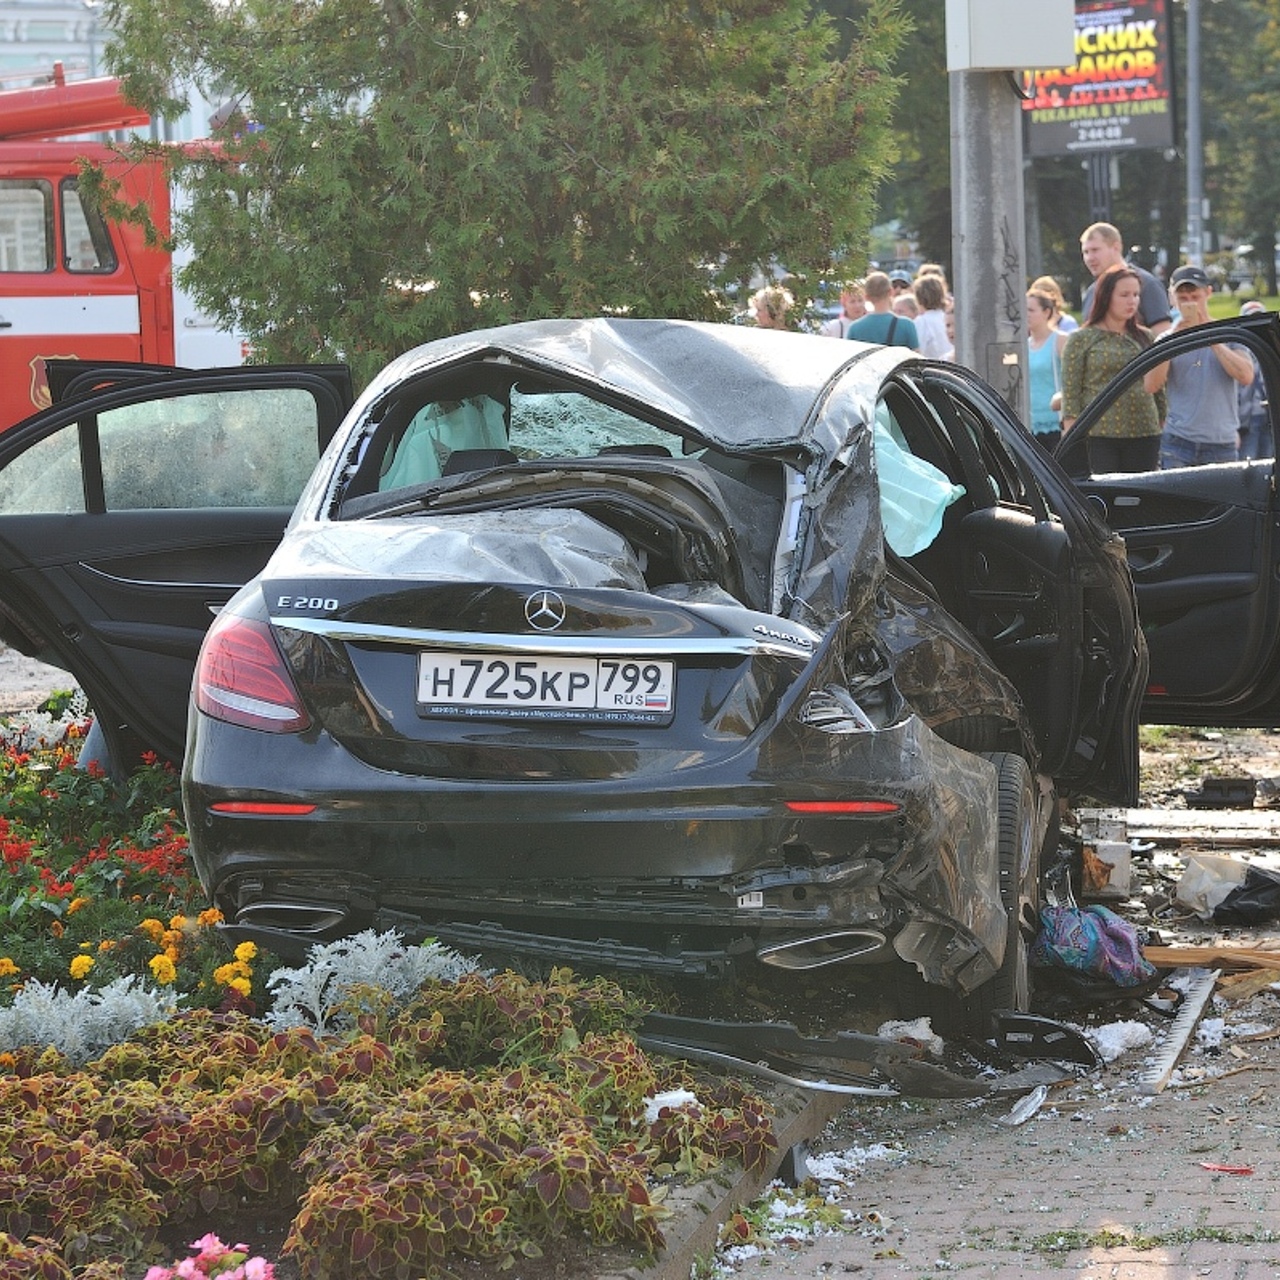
[992, 445]
[1071, 451]
[81, 414]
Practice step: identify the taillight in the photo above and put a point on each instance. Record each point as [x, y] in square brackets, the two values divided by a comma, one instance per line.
[263, 808]
[863, 808]
[242, 679]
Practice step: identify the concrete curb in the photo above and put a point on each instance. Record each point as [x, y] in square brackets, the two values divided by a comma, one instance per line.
[700, 1209]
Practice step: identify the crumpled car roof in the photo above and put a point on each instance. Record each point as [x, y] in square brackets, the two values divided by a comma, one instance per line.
[735, 385]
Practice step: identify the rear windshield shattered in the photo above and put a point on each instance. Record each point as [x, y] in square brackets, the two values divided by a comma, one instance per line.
[448, 437]
[566, 424]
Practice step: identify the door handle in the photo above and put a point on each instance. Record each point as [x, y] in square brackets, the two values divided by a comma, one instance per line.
[1146, 559]
[5, 324]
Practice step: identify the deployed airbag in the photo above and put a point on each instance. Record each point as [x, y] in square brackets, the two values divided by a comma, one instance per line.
[914, 495]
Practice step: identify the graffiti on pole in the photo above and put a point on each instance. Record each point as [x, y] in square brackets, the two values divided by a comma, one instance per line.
[1117, 95]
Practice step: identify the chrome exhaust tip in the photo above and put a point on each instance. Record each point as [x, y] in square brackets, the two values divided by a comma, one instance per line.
[304, 918]
[834, 946]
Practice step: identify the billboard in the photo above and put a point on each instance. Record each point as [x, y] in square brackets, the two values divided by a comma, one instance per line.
[1118, 95]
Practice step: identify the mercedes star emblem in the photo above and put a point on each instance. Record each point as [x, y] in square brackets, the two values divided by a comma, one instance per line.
[544, 611]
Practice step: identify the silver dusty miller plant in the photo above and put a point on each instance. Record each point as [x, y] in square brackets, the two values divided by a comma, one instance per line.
[84, 1025]
[325, 994]
[33, 730]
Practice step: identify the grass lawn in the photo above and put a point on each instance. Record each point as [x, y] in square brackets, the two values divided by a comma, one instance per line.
[1224, 305]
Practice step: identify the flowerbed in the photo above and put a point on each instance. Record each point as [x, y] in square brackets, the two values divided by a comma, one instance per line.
[408, 1109]
[96, 881]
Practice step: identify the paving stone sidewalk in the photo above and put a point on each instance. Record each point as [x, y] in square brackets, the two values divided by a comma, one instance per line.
[1103, 1183]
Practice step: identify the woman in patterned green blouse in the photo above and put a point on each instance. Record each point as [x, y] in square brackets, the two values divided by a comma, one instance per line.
[1127, 436]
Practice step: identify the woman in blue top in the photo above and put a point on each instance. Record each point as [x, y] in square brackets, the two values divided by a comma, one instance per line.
[1045, 343]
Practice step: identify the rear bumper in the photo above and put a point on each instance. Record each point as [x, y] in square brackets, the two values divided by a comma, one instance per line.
[690, 880]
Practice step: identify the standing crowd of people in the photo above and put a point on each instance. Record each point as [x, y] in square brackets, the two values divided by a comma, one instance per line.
[893, 308]
[1200, 406]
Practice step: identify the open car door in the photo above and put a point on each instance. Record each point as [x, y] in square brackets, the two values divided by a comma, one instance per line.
[130, 514]
[1203, 551]
[1026, 569]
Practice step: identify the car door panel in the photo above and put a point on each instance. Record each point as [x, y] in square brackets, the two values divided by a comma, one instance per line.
[1023, 604]
[1012, 575]
[151, 574]
[1203, 554]
[1200, 543]
[129, 517]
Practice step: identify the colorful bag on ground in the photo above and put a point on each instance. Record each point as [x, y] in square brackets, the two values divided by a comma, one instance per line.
[1091, 940]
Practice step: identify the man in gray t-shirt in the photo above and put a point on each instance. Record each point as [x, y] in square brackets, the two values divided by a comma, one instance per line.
[1203, 422]
[1101, 248]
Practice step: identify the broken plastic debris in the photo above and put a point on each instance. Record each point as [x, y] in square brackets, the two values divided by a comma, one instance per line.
[1025, 1108]
[1118, 1037]
[919, 1031]
[673, 1098]
[1206, 880]
[1225, 1168]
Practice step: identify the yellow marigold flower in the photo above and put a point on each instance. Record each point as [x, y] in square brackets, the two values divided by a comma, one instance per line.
[170, 938]
[107, 944]
[153, 929]
[178, 922]
[224, 974]
[7, 1061]
[80, 966]
[8, 968]
[209, 917]
[172, 953]
[162, 969]
[247, 951]
[242, 985]
[86, 946]
[75, 904]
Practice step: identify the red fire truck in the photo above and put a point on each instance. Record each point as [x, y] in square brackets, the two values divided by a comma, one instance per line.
[71, 283]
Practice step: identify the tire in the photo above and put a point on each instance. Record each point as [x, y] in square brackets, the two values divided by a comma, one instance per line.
[1019, 856]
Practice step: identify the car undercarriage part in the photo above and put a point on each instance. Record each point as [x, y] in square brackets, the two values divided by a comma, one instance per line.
[864, 1065]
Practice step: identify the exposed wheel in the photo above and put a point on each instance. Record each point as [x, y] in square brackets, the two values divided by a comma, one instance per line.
[1019, 885]
[1019, 868]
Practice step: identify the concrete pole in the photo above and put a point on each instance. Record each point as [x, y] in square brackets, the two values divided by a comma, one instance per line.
[1035, 245]
[1195, 141]
[988, 236]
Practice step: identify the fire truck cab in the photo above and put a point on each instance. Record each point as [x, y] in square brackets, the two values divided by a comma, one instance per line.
[71, 283]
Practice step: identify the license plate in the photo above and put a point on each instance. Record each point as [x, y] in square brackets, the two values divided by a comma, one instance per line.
[542, 687]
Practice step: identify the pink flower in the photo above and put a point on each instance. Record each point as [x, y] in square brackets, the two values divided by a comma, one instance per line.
[216, 1261]
[209, 1246]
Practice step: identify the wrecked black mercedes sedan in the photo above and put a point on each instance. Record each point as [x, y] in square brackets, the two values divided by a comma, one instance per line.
[668, 647]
